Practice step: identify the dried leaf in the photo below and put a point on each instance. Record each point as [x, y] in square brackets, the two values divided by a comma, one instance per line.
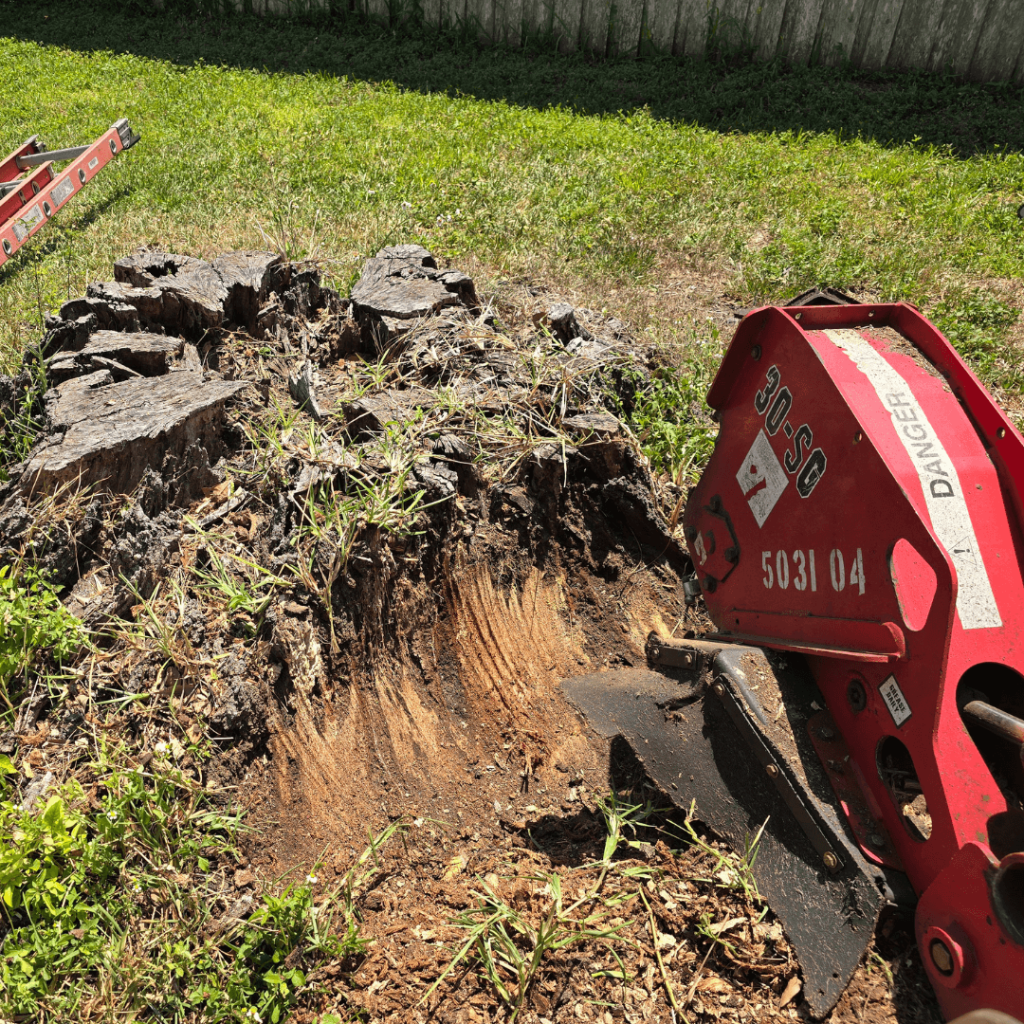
[723, 926]
[719, 986]
[789, 993]
[219, 492]
[455, 866]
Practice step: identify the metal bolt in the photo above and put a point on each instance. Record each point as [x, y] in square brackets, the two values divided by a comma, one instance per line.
[831, 860]
[755, 353]
[772, 771]
[876, 840]
[858, 437]
[941, 957]
[826, 733]
[1001, 433]
[718, 688]
[856, 695]
[796, 316]
[687, 659]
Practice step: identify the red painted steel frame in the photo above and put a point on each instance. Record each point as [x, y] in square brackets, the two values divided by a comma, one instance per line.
[24, 211]
[861, 469]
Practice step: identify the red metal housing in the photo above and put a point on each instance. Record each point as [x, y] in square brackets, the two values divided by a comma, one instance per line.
[864, 506]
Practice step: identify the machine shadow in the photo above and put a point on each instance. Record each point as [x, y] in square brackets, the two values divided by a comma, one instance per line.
[727, 95]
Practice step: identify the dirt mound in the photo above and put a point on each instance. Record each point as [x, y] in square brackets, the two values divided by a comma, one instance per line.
[364, 540]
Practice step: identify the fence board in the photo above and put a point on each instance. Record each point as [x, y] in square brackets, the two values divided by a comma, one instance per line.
[941, 43]
[431, 12]
[865, 15]
[962, 22]
[624, 32]
[750, 21]
[660, 32]
[692, 31]
[445, 15]
[531, 18]
[800, 29]
[879, 37]
[480, 14]
[915, 34]
[568, 14]
[768, 28]
[508, 22]
[837, 30]
[539, 17]
[731, 23]
[594, 26]
[997, 50]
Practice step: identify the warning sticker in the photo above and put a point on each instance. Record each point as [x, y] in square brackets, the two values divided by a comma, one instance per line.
[895, 701]
[943, 493]
[27, 223]
[62, 190]
[761, 478]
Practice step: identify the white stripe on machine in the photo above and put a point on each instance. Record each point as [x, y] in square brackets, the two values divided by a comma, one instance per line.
[943, 495]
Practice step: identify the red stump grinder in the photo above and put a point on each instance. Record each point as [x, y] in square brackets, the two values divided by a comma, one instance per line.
[858, 538]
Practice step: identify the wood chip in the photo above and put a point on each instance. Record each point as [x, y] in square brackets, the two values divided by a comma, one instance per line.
[721, 927]
[716, 985]
[789, 993]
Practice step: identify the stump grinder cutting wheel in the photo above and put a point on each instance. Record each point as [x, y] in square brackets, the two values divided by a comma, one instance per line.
[858, 538]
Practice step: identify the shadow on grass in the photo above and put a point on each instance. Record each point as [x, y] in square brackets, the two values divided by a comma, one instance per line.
[728, 96]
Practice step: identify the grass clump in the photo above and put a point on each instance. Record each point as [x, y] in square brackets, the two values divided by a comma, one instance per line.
[108, 897]
[976, 323]
[20, 420]
[509, 947]
[36, 632]
[671, 421]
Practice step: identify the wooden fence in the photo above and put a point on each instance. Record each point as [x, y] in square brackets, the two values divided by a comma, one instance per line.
[978, 39]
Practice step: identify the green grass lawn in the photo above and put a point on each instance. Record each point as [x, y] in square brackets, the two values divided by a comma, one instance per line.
[604, 179]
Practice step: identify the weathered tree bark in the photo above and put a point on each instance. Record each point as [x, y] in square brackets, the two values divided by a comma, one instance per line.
[302, 388]
[138, 354]
[189, 296]
[372, 413]
[403, 282]
[114, 432]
